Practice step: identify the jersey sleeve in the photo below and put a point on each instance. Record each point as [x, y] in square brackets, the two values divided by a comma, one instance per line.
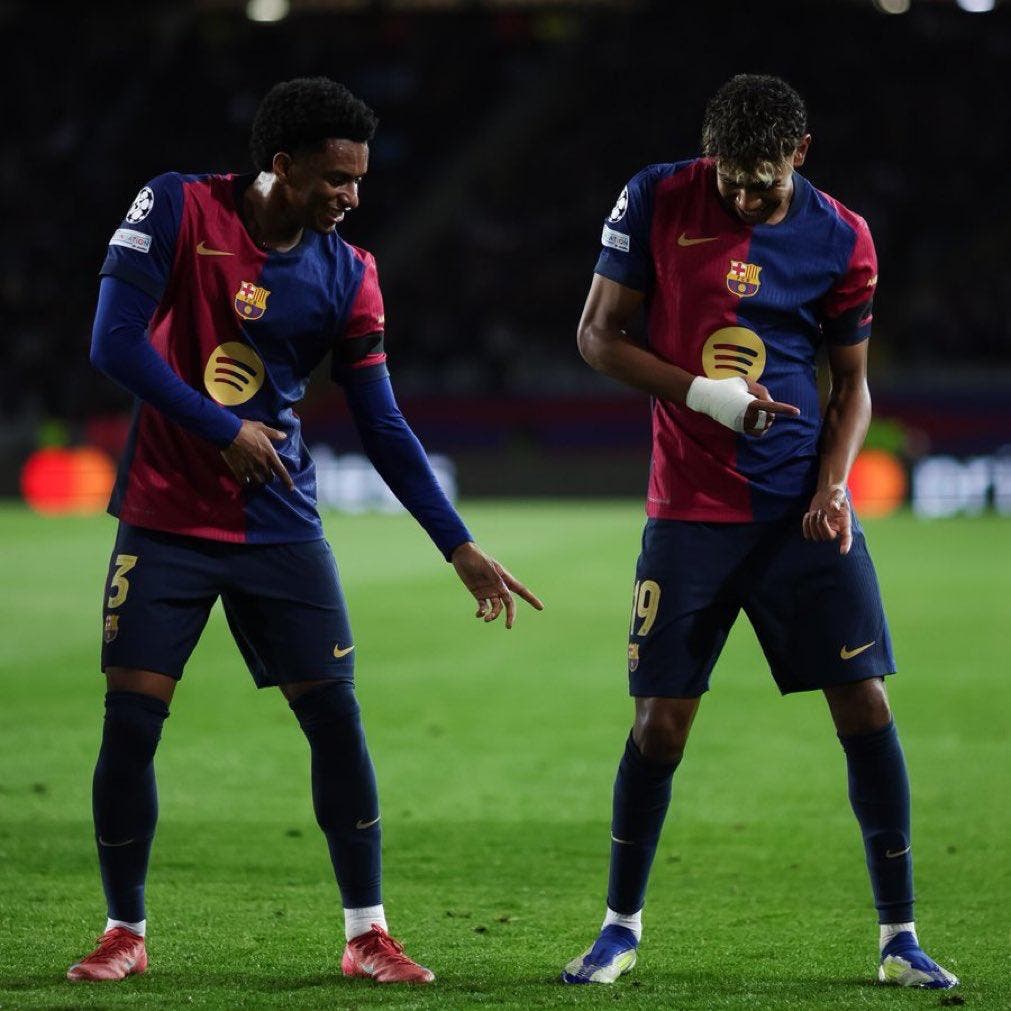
[626, 256]
[358, 354]
[848, 309]
[142, 248]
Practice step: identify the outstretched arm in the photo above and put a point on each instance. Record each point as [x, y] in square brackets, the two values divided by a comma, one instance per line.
[605, 345]
[399, 458]
[847, 416]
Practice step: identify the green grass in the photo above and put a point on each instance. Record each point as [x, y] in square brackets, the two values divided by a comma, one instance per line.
[495, 753]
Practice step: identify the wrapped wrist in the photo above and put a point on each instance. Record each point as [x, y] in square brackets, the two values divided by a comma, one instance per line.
[723, 400]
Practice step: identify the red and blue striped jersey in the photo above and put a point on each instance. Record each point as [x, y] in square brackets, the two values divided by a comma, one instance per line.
[245, 327]
[727, 299]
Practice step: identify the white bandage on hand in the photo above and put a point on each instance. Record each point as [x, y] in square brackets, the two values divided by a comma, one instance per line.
[724, 400]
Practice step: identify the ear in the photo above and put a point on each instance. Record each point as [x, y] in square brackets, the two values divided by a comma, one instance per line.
[281, 166]
[801, 153]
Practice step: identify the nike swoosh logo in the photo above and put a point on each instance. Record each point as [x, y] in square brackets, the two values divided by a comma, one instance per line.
[102, 842]
[338, 652]
[897, 853]
[623, 842]
[204, 251]
[361, 823]
[848, 654]
[683, 240]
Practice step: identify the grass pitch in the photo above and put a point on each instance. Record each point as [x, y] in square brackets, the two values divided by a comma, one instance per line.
[495, 753]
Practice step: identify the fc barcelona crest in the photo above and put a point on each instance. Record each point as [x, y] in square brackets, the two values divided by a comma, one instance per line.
[633, 656]
[742, 278]
[250, 300]
[111, 629]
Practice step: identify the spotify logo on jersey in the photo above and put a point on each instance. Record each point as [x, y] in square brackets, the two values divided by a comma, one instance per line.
[733, 351]
[233, 373]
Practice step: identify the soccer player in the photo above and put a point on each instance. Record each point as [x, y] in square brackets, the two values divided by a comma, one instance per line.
[745, 270]
[219, 295]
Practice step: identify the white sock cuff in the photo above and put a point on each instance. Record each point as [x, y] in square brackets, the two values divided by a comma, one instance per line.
[630, 921]
[889, 930]
[139, 928]
[359, 921]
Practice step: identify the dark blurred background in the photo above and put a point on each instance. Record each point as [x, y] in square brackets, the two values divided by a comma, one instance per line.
[507, 130]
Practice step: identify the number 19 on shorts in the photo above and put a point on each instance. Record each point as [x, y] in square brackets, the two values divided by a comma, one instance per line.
[645, 605]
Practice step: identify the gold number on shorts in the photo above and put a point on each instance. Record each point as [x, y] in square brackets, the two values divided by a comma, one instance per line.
[119, 583]
[645, 604]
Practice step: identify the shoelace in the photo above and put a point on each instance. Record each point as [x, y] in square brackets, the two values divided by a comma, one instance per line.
[378, 942]
[111, 947]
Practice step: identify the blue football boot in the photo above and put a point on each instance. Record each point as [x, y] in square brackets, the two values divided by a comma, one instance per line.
[905, 963]
[612, 954]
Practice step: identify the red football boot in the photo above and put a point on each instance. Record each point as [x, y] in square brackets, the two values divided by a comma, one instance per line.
[378, 956]
[119, 954]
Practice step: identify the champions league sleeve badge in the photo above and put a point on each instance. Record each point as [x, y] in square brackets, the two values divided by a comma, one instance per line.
[618, 211]
[141, 206]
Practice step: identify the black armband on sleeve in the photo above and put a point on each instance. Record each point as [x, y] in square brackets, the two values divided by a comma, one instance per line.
[851, 326]
[358, 348]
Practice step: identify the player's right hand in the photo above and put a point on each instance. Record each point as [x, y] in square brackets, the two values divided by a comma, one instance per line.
[490, 583]
[762, 411]
[252, 458]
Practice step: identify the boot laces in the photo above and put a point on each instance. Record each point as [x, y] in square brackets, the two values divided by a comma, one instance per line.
[112, 945]
[379, 943]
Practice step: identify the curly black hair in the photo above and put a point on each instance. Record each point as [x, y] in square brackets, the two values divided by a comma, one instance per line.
[299, 115]
[753, 119]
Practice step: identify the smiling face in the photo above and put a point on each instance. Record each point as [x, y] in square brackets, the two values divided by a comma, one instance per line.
[320, 186]
[761, 194]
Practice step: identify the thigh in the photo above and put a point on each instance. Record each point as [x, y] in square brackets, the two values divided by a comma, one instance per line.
[684, 602]
[158, 595]
[286, 610]
[818, 614]
[141, 682]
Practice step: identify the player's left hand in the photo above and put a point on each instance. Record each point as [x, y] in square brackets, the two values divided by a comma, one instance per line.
[490, 583]
[828, 517]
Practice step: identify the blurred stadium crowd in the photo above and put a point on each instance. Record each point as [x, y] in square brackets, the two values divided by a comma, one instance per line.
[504, 139]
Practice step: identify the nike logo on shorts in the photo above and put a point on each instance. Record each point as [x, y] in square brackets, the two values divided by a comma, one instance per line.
[848, 654]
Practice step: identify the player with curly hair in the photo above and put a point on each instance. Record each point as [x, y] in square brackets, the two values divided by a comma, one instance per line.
[219, 296]
[745, 270]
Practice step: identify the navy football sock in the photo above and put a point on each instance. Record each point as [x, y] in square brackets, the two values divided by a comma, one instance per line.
[344, 793]
[879, 793]
[125, 799]
[641, 796]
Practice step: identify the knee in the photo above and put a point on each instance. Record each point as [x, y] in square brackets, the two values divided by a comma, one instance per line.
[660, 738]
[326, 703]
[860, 707]
[133, 722]
[661, 728]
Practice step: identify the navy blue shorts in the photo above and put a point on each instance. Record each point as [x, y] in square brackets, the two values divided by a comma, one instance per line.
[283, 603]
[817, 614]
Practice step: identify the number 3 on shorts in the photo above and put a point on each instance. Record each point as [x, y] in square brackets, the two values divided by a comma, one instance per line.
[119, 584]
[645, 604]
